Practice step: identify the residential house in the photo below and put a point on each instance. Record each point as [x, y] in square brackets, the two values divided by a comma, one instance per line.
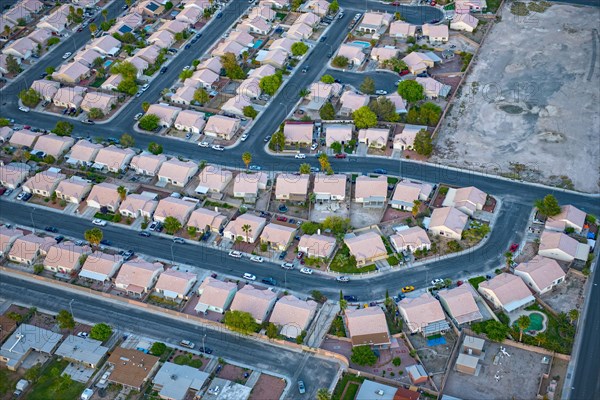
[243, 38]
[329, 187]
[17, 13]
[40, 36]
[105, 45]
[69, 97]
[246, 185]
[321, 92]
[149, 8]
[317, 245]
[113, 158]
[338, 133]
[57, 21]
[263, 11]
[82, 351]
[371, 192]
[309, 19]
[205, 78]
[255, 25]
[423, 314]
[83, 152]
[177, 173]
[147, 164]
[407, 192]
[65, 257]
[190, 121]
[126, 24]
[189, 15]
[284, 44]
[298, 132]
[381, 54]
[351, 102]
[258, 303]
[215, 295]
[53, 145]
[398, 102]
[24, 138]
[448, 222]
[173, 207]
[506, 291]
[319, 7]
[87, 57]
[24, 341]
[45, 88]
[104, 195]
[276, 58]
[213, 179]
[138, 205]
[5, 133]
[277, 237]
[221, 127]
[374, 22]
[162, 39]
[411, 239]
[112, 83]
[278, 4]
[299, 31]
[228, 46]
[436, 34]
[174, 381]
[541, 274]
[418, 62]
[33, 6]
[367, 248]
[139, 63]
[7, 238]
[174, 26]
[13, 175]
[43, 183]
[367, 327]
[131, 368]
[293, 315]
[174, 284]
[184, 95]
[26, 249]
[383, 392]
[250, 87]
[460, 304]
[401, 29]
[100, 267]
[405, 140]
[21, 48]
[213, 64]
[165, 113]
[374, 137]
[291, 187]
[73, 190]
[137, 276]
[246, 227]
[464, 22]
[149, 53]
[205, 220]
[72, 72]
[354, 54]
[569, 217]
[236, 105]
[432, 88]
[262, 71]
[467, 199]
[562, 247]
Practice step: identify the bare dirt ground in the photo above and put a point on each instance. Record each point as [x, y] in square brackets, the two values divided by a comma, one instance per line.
[529, 107]
[268, 387]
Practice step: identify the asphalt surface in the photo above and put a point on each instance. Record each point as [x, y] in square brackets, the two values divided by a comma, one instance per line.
[416, 15]
[315, 372]
[383, 80]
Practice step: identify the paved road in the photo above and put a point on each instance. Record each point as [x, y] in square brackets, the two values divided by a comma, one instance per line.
[415, 15]
[383, 80]
[315, 372]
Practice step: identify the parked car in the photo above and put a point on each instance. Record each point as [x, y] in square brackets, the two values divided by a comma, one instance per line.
[407, 289]
[83, 334]
[244, 137]
[138, 116]
[404, 72]
[88, 122]
[106, 242]
[67, 55]
[380, 171]
[300, 255]
[203, 144]
[144, 234]
[99, 222]
[217, 147]
[127, 255]
[282, 218]
[301, 387]
[269, 281]
[248, 276]
[267, 138]
[340, 155]
[299, 155]
[514, 247]
[235, 254]
[381, 92]
[51, 229]
[342, 279]
[178, 240]
[187, 343]
[305, 69]
[437, 282]
[24, 109]
[257, 259]
[314, 146]
[287, 265]
[20, 196]
[205, 350]
[59, 238]
[351, 298]
[306, 271]
[163, 70]
[219, 15]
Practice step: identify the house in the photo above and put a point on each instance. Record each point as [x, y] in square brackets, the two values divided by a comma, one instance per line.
[448, 222]
[401, 29]
[26, 249]
[541, 274]
[100, 266]
[13, 175]
[162, 39]
[215, 295]
[467, 199]
[291, 187]
[25, 340]
[460, 304]
[57, 21]
[299, 31]
[236, 105]
[173, 381]
[228, 46]
[83, 152]
[147, 164]
[506, 291]
[407, 192]
[432, 88]
[258, 303]
[206, 220]
[371, 192]
[5, 133]
[381, 54]
[33, 6]
[150, 54]
[112, 158]
[562, 247]
[149, 8]
[173, 207]
[292, 315]
[16, 13]
[367, 327]
[105, 45]
[411, 239]
[368, 389]
[243, 38]
[338, 133]
[263, 11]
[321, 92]
[213, 179]
[174, 284]
[423, 314]
[569, 217]
[139, 63]
[138, 205]
[221, 127]
[177, 173]
[112, 83]
[131, 368]
[284, 44]
[398, 102]
[73, 190]
[464, 22]
[72, 72]
[276, 3]
[246, 185]
[184, 95]
[301, 133]
[69, 97]
[329, 187]
[319, 7]
[190, 121]
[276, 58]
[317, 245]
[43, 183]
[87, 57]
[104, 195]
[205, 78]
[24, 138]
[256, 25]
[405, 140]
[351, 102]
[6, 28]
[79, 350]
[165, 113]
[417, 374]
[246, 228]
[7, 238]
[366, 248]
[374, 22]
[127, 23]
[40, 36]
[53, 145]
[21, 48]
[189, 15]
[213, 64]
[418, 62]
[276, 236]
[374, 137]
[45, 88]
[436, 34]
[174, 26]
[309, 19]
[354, 54]
[137, 276]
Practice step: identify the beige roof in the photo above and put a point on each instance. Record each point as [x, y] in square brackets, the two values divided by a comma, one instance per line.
[138, 62]
[466, 19]
[175, 281]
[333, 185]
[508, 288]
[415, 237]
[174, 26]
[284, 44]
[435, 31]
[112, 82]
[214, 64]
[191, 119]
[543, 271]
[277, 234]
[449, 217]
[255, 222]
[53, 144]
[137, 272]
[104, 194]
[57, 20]
[32, 5]
[205, 76]
[383, 53]
[5, 133]
[45, 181]
[421, 311]
[165, 112]
[147, 162]
[352, 53]
[178, 171]
[324, 90]
[113, 157]
[189, 14]
[407, 192]
[354, 101]
[131, 367]
[201, 217]
[47, 89]
[417, 60]
[558, 240]
[101, 263]
[277, 57]
[222, 125]
[184, 94]
[569, 215]
[469, 197]
[254, 301]
[401, 28]
[338, 133]
[258, 24]
[367, 325]
[243, 38]
[228, 46]
[135, 202]
[22, 46]
[408, 135]
[172, 207]
[162, 39]
[214, 178]
[71, 96]
[430, 85]
[215, 292]
[249, 183]
[13, 173]
[7, 236]
[149, 53]
[367, 186]
[299, 31]
[290, 184]
[73, 71]
[298, 132]
[376, 19]
[293, 315]
[366, 246]
[461, 304]
[84, 151]
[87, 57]
[24, 137]
[374, 136]
[317, 245]
[26, 247]
[235, 105]
[40, 36]
[397, 101]
[65, 254]
[308, 18]
[73, 187]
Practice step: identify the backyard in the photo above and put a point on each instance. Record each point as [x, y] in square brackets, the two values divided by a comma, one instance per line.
[51, 384]
[347, 387]
[345, 263]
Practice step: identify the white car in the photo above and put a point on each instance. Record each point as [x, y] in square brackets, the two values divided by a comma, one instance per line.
[342, 279]
[314, 146]
[306, 271]
[235, 254]
[300, 156]
[138, 116]
[186, 67]
[145, 87]
[287, 265]
[217, 147]
[256, 259]
[381, 92]
[203, 144]
[99, 222]
[24, 109]
[244, 137]
[67, 55]
[437, 281]
[397, 82]
[250, 277]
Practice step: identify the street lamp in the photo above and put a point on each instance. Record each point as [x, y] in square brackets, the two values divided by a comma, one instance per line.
[203, 347]
[32, 222]
[71, 307]
[172, 255]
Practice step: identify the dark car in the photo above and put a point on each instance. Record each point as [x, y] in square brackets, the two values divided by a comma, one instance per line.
[219, 15]
[188, 46]
[267, 138]
[351, 298]
[163, 70]
[323, 38]
[269, 281]
[144, 234]
[27, 196]
[106, 242]
[59, 238]
[51, 229]
[205, 350]
[43, 75]
[380, 171]
[329, 54]
[282, 255]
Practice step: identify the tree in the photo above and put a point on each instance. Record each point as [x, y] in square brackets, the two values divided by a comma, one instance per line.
[411, 91]
[523, 323]
[94, 236]
[247, 158]
[49, 159]
[7, 31]
[50, 70]
[327, 112]
[63, 128]
[158, 349]
[327, 79]
[95, 113]
[52, 41]
[127, 86]
[277, 142]
[340, 62]
[363, 355]
[270, 84]
[272, 331]
[186, 74]
[337, 225]
[12, 64]
[415, 208]
[250, 112]
[4, 122]
[324, 161]
[126, 140]
[397, 361]
[126, 69]
[201, 96]
[240, 321]
[246, 228]
[168, 5]
[93, 28]
[334, 7]
[155, 148]
[18, 318]
[323, 393]
[149, 122]
[364, 118]
[394, 64]
[384, 109]
[423, 144]
[122, 192]
[232, 68]
[427, 114]
[496, 331]
[299, 49]
[101, 332]
[548, 206]
[105, 14]
[336, 147]
[573, 315]
[29, 97]
[65, 320]
[367, 86]
[304, 169]
[172, 225]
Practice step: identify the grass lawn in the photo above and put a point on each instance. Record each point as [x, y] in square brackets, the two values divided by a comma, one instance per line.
[492, 5]
[476, 281]
[392, 180]
[354, 381]
[209, 203]
[106, 217]
[343, 262]
[186, 359]
[387, 245]
[351, 391]
[8, 380]
[98, 82]
[49, 384]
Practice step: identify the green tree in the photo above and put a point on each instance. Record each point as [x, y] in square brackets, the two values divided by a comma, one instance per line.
[63, 128]
[327, 112]
[364, 118]
[101, 332]
[201, 96]
[397, 361]
[49, 159]
[4, 122]
[246, 228]
[496, 331]
[18, 318]
[336, 147]
[299, 49]
[65, 320]
[52, 41]
[367, 86]
[340, 62]
[548, 206]
[186, 74]
[104, 14]
[327, 79]
[172, 225]
[272, 331]
[122, 192]
[126, 69]
[145, 106]
[233, 70]
[126, 140]
[411, 91]
[12, 65]
[250, 112]
[423, 144]
[247, 158]
[240, 321]
[50, 70]
[33, 373]
[270, 84]
[308, 227]
[29, 97]
[93, 28]
[334, 7]
[304, 169]
[324, 162]
[155, 148]
[394, 64]
[337, 225]
[127, 86]
[93, 236]
[573, 315]
[149, 122]
[363, 355]
[277, 142]
[158, 349]
[168, 5]
[323, 393]
[95, 113]
[523, 323]
[384, 109]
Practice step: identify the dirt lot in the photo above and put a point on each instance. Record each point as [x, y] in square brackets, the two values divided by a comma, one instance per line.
[567, 295]
[530, 99]
[434, 358]
[267, 388]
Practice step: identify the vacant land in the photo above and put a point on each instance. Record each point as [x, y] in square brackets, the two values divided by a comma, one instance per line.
[528, 109]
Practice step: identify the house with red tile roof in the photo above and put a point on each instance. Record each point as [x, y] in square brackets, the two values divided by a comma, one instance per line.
[448, 222]
[215, 295]
[175, 284]
[235, 228]
[506, 291]
[366, 248]
[292, 315]
[541, 274]
[367, 327]
[100, 266]
[460, 304]
[423, 314]
[137, 276]
[256, 302]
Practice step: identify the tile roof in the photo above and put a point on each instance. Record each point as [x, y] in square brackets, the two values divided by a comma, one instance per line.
[461, 304]
[104, 194]
[421, 311]
[254, 301]
[367, 187]
[53, 144]
[172, 207]
[65, 254]
[290, 184]
[450, 218]
[317, 245]
[414, 237]
[333, 185]
[147, 162]
[543, 271]
[293, 315]
[131, 367]
[175, 281]
[366, 246]
[137, 272]
[84, 151]
[367, 325]
[278, 234]
[215, 292]
[508, 288]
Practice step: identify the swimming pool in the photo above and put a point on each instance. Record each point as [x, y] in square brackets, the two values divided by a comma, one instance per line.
[257, 44]
[366, 45]
[107, 63]
[536, 322]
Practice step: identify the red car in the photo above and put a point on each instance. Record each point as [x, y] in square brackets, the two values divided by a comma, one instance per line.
[404, 72]
[433, 3]
[300, 255]
[459, 283]
[340, 155]
[514, 247]
[395, 3]
[282, 219]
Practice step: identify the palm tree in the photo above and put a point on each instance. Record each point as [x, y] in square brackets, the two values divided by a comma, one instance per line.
[247, 229]
[122, 192]
[94, 236]
[324, 161]
[247, 158]
[523, 322]
[105, 14]
[93, 28]
[573, 315]
[323, 394]
[304, 169]
[415, 208]
[128, 2]
[542, 338]
[6, 31]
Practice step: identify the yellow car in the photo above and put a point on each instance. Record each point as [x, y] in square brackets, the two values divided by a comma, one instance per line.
[407, 289]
